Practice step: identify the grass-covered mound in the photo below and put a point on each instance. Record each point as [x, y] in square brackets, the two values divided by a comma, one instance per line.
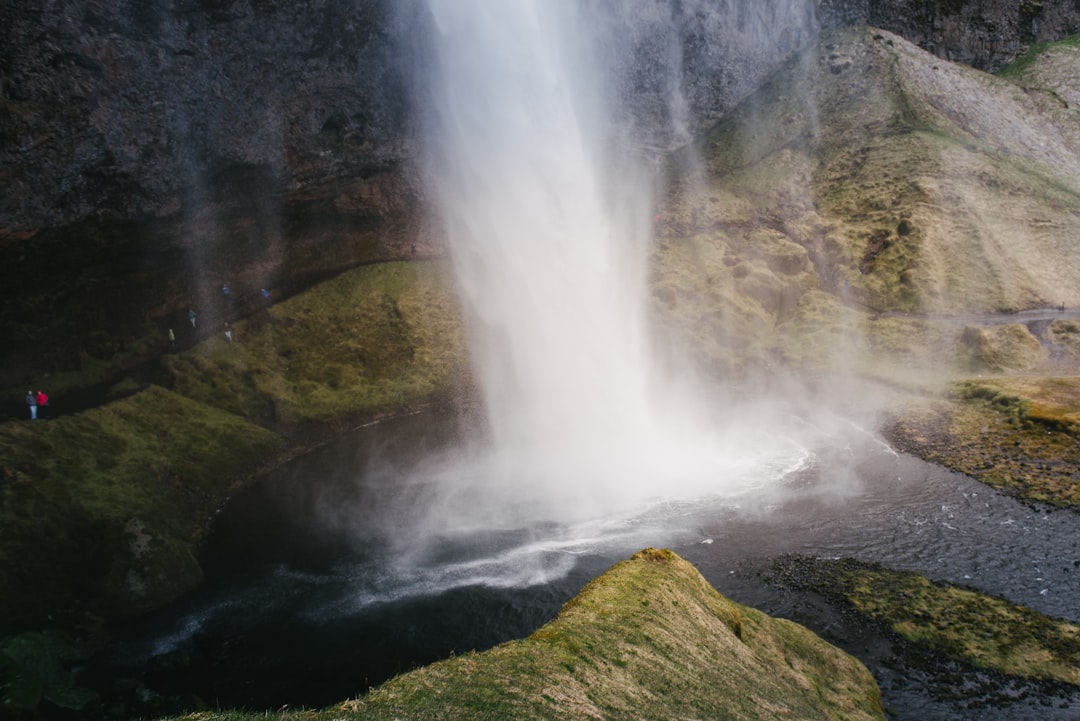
[100, 511]
[1018, 434]
[648, 639]
[374, 339]
[958, 623]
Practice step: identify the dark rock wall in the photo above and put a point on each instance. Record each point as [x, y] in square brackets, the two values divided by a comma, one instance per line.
[986, 34]
[125, 110]
[136, 110]
[679, 65]
[153, 149]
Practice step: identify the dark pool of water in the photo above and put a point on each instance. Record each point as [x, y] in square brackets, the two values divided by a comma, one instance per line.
[307, 602]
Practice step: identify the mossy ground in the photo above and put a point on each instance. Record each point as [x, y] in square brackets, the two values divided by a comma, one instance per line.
[372, 340]
[1020, 434]
[100, 510]
[649, 639]
[958, 623]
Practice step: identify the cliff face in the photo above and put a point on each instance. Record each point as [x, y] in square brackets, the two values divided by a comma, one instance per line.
[125, 111]
[868, 197]
[986, 34]
[152, 152]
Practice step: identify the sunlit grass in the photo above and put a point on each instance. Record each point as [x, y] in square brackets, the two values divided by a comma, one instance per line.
[373, 339]
[1016, 433]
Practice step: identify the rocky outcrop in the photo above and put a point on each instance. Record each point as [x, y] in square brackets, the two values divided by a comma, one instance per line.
[919, 190]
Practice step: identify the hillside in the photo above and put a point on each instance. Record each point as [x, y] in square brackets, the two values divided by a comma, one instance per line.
[866, 190]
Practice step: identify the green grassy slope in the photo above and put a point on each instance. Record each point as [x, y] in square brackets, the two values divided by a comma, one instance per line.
[375, 339]
[100, 511]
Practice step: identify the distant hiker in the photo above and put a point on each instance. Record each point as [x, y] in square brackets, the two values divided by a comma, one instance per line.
[228, 332]
[265, 294]
[31, 402]
[172, 339]
[412, 251]
[225, 289]
[42, 401]
[192, 315]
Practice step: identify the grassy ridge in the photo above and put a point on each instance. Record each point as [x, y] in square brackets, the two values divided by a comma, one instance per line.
[1020, 434]
[100, 510]
[648, 639]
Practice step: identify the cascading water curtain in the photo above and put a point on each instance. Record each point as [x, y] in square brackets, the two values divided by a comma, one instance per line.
[545, 227]
[548, 215]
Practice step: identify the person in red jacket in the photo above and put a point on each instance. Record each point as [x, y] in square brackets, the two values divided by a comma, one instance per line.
[42, 401]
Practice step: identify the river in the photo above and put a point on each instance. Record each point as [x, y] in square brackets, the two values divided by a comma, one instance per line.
[308, 600]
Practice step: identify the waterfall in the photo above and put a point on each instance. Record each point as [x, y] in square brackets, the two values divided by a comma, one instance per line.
[548, 216]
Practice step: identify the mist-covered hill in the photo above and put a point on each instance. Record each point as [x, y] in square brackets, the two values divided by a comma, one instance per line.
[869, 188]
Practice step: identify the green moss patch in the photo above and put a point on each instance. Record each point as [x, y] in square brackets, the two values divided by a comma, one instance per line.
[1022, 68]
[372, 339]
[100, 511]
[1018, 434]
[648, 639]
[963, 624]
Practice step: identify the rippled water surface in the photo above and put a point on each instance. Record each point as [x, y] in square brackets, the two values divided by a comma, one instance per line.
[311, 598]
